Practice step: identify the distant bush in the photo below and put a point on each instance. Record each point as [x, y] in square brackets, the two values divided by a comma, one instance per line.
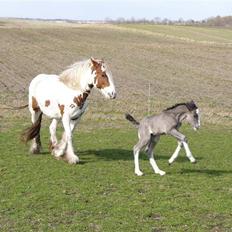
[219, 21]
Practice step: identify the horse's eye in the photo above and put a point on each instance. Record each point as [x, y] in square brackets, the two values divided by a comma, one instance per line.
[104, 75]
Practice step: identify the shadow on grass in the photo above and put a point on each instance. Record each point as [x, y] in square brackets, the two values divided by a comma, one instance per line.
[211, 172]
[123, 154]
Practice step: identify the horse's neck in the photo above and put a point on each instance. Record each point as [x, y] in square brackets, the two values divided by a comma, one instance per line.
[73, 79]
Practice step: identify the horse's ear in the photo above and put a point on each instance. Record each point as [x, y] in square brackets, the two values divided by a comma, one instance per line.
[94, 62]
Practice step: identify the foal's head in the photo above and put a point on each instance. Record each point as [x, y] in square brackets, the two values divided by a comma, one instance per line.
[102, 78]
[193, 115]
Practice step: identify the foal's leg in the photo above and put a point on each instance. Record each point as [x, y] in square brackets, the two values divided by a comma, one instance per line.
[176, 153]
[52, 129]
[36, 142]
[183, 140]
[143, 141]
[153, 141]
[189, 153]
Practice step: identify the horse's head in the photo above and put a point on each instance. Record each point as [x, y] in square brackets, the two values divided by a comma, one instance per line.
[102, 78]
[193, 116]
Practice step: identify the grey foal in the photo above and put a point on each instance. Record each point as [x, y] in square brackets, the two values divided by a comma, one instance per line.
[166, 123]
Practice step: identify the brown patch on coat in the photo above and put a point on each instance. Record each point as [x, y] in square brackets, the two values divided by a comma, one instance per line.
[80, 100]
[51, 146]
[47, 103]
[35, 105]
[101, 78]
[61, 109]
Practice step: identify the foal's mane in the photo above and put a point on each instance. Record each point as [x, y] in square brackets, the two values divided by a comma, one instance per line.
[174, 106]
[71, 76]
[190, 106]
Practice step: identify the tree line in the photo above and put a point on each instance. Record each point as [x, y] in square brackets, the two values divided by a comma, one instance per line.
[217, 21]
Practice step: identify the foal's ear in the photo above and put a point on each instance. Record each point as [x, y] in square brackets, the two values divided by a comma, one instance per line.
[191, 105]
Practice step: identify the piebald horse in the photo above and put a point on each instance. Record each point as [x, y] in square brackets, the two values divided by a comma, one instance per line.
[63, 97]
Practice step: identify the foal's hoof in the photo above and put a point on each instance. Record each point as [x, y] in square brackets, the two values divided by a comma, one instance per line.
[194, 162]
[138, 173]
[162, 173]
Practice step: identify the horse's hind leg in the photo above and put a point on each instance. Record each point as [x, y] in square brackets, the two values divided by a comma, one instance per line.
[153, 141]
[36, 142]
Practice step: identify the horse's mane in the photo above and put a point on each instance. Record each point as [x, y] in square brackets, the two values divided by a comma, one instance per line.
[190, 105]
[71, 76]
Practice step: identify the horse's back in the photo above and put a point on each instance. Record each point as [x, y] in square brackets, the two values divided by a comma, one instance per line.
[40, 79]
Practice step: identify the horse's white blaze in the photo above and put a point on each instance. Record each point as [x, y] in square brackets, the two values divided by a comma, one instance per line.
[109, 91]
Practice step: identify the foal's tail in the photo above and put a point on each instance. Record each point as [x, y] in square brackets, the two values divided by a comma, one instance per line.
[131, 119]
[31, 132]
[14, 107]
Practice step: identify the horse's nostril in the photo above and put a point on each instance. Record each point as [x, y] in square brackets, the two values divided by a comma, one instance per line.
[114, 95]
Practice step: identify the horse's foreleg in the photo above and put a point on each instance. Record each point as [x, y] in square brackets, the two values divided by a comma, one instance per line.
[66, 146]
[176, 153]
[70, 156]
[52, 129]
[36, 142]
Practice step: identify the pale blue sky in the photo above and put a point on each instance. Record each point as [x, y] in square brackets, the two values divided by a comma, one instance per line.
[101, 9]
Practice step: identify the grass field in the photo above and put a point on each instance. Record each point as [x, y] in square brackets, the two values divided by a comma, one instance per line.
[39, 193]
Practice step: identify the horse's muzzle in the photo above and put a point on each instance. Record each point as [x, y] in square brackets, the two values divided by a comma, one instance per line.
[112, 95]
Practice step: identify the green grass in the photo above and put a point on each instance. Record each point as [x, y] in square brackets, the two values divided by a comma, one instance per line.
[39, 193]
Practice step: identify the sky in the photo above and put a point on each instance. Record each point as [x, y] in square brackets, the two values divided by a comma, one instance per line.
[114, 9]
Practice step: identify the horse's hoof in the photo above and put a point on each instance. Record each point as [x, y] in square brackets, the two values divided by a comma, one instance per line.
[57, 153]
[35, 150]
[73, 160]
[194, 162]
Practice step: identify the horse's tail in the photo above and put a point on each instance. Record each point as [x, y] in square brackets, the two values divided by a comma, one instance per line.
[31, 132]
[132, 119]
[14, 107]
